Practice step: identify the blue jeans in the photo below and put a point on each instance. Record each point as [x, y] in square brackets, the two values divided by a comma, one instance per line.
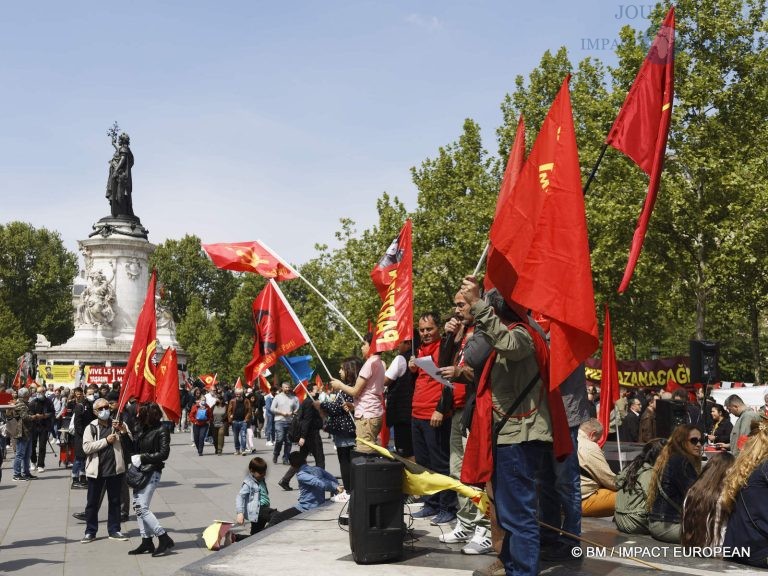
[281, 439]
[269, 426]
[239, 428]
[560, 496]
[515, 472]
[21, 459]
[78, 468]
[148, 523]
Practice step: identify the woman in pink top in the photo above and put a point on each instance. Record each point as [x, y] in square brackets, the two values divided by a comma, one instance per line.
[367, 393]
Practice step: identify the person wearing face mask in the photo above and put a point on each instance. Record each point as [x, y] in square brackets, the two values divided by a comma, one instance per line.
[104, 468]
[310, 424]
[42, 412]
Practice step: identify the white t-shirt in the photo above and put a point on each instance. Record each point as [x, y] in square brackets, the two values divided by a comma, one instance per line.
[397, 368]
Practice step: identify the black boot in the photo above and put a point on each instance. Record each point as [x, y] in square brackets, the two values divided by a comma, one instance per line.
[146, 546]
[164, 545]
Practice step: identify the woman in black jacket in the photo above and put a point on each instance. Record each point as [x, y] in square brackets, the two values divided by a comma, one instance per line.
[153, 446]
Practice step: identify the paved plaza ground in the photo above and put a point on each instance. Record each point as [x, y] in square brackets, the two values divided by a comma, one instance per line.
[39, 536]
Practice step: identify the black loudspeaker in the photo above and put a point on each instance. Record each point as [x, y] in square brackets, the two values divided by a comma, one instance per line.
[376, 527]
[669, 415]
[704, 358]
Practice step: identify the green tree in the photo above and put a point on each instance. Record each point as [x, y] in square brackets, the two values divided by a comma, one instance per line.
[186, 272]
[199, 334]
[13, 341]
[36, 277]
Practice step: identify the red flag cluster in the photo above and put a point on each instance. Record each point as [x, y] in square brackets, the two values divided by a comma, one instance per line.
[277, 330]
[540, 235]
[393, 278]
[142, 380]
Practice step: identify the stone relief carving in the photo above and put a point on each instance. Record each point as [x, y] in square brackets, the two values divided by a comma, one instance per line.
[133, 268]
[96, 301]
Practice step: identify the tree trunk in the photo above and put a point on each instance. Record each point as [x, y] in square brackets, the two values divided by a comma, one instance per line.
[754, 318]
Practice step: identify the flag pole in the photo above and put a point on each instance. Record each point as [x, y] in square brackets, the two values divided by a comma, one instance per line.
[319, 357]
[330, 305]
[618, 440]
[482, 259]
[594, 170]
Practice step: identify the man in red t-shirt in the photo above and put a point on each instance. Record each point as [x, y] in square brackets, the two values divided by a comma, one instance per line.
[431, 425]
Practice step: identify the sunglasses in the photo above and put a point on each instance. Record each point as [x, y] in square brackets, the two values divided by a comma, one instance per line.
[695, 440]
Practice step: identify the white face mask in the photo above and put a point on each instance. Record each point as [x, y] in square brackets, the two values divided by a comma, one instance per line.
[104, 414]
[90, 397]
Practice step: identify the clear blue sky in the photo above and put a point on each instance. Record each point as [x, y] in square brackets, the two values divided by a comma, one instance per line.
[251, 119]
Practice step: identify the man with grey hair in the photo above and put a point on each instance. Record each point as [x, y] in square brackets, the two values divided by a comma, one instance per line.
[598, 482]
[20, 412]
[735, 405]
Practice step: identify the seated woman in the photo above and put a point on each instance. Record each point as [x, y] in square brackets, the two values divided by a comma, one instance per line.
[745, 498]
[703, 522]
[631, 515]
[675, 471]
[720, 433]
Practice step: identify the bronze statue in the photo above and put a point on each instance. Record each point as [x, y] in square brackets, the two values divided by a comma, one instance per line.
[119, 183]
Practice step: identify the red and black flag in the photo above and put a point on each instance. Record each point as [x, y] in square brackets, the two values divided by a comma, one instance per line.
[393, 278]
[277, 330]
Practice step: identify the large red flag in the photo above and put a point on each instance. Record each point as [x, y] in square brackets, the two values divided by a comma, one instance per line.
[642, 126]
[208, 380]
[497, 270]
[140, 371]
[254, 257]
[609, 379]
[542, 233]
[167, 389]
[393, 278]
[277, 330]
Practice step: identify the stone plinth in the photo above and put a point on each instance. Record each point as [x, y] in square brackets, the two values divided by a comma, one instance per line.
[117, 276]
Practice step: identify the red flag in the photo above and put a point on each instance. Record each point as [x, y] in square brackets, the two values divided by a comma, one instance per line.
[642, 126]
[609, 379]
[319, 382]
[542, 233]
[264, 384]
[167, 389]
[301, 391]
[140, 371]
[498, 272]
[278, 330]
[17, 380]
[208, 380]
[393, 278]
[254, 257]
[238, 384]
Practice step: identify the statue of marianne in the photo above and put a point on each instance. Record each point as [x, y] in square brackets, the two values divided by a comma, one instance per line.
[119, 183]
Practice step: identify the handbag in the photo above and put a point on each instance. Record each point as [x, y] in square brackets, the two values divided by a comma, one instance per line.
[138, 477]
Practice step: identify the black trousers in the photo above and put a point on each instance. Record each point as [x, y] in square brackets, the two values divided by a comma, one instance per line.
[38, 440]
[113, 485]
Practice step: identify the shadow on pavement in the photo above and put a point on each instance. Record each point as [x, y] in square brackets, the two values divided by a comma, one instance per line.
[14, 565]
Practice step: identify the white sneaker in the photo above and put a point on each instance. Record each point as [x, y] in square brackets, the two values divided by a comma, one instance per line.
[458, 534]
[269, 443]
[33, 469]
[40, 470]
[343, 497]
[480, 543]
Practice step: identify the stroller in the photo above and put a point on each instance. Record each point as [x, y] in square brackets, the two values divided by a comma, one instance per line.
[67, 444]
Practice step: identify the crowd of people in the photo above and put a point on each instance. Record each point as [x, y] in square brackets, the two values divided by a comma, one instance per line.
[486, 417]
